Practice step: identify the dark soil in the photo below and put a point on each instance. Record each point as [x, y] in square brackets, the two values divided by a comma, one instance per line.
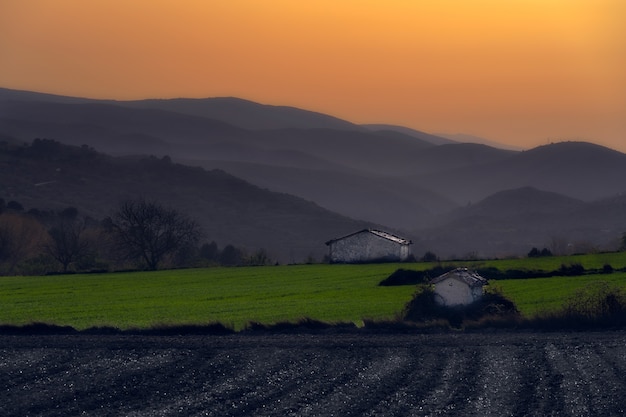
[349, 374]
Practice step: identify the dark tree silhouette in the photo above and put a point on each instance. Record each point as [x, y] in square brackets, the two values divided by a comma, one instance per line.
[15, 206]
[231, 256]
[536, 253]
[546, 252]
[148, 231]
[20, 237]
[430, 257]
[260, 258]
[67, 242]
[210, 251]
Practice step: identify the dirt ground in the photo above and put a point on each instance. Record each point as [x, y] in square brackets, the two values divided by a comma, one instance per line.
[348, 374]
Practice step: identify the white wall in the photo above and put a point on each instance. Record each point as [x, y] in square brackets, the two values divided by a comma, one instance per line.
[366, 246]
[453, 292]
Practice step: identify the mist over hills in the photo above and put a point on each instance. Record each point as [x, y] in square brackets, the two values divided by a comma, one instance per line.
[435, 140]
[247, 114]
[449, 197]
[466, 138]
[513, 221]
[576, 169]
[346, 192]
[51, 176]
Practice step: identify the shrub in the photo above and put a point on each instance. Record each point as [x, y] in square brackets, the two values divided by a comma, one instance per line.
[422, 306]
[536, 253]
[491, 272]
[493, 305]
[303, 325]
[186, 329]
[404, 277]
[575, 269]
[430, 257]
[411, 277]
[598, 305]
[599, 301]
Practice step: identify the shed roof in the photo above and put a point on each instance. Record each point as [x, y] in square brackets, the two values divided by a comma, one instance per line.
[379, 233]
[471, 278]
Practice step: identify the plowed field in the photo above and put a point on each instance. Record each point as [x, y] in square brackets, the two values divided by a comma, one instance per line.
[493, 374]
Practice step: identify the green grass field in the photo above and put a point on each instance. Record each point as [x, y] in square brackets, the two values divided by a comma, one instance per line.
[542, 295]
[232, 296]
[237, 296]
[550, 263]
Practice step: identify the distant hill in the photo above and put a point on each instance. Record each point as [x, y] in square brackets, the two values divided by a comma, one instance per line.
[427, 137]
[394, 203]
[231, 110]
[450, 158]
[7, 94]
[466, 138]
[247, 114]
[511, 222]
[521, 201]
[576, 169]
[121, 130]
[51, 176]
[445, 196]
[349, 159]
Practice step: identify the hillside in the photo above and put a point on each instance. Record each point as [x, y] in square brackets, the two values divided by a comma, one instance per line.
[246, 114]
[435, 140]
[520, 201]
[388, 201]
[232, 110]
[576, 169]
[115, 128]
[349, 158]
[48, 175]
[430, 190]
[513, 221]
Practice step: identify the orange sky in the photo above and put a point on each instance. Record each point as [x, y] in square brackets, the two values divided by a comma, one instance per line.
[522, 72]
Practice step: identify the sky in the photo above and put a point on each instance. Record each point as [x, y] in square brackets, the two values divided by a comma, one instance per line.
[520, 72]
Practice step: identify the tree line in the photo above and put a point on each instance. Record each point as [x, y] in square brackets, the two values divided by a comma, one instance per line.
[140, 234]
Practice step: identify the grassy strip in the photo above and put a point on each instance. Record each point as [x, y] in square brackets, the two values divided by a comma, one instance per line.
[232, 296]
[617, 260]
[256, 297]
[539, 296]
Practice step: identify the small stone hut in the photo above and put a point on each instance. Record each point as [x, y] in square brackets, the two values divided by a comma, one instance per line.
[458, 287]
[368, 245]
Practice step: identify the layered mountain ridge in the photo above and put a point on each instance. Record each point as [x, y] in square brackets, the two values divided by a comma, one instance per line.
[428, 187]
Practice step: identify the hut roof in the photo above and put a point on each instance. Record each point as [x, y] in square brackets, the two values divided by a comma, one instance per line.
[379, 233]
[470, 278]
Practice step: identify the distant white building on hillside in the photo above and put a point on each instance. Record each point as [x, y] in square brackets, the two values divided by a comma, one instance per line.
[368, 245]
[458, 287]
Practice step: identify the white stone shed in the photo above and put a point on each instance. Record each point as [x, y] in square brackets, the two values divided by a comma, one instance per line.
[368, 245]
[458, 287]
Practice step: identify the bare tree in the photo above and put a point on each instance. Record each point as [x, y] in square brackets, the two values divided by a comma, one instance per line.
[67, 242]
[147, 231]
[559, 245]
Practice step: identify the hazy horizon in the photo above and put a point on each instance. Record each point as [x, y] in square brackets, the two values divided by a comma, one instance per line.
[522, 74]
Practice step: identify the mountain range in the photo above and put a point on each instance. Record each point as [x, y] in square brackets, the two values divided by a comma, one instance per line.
[449, 197]
[47, 175]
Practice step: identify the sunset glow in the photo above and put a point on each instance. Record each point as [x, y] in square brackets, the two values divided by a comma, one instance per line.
[521, 72]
